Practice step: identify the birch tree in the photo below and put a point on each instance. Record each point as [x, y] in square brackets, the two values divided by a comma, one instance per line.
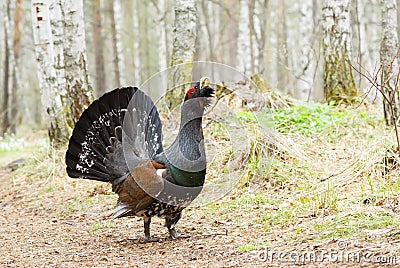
[79, 91]
[52, 108]
[244, 50]
[61, 56]
[306, 65]
[114, 9]
[57, 30]
[338, 77]
[398, 20]
[183, 49]
[98, 44]
[390, 53]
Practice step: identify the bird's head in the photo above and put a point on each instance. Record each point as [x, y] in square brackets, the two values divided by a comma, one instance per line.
[201, 90]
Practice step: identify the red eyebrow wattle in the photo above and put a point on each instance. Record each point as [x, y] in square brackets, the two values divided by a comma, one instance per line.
[190, 91]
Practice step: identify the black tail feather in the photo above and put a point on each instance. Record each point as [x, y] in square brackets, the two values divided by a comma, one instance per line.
[95, 148]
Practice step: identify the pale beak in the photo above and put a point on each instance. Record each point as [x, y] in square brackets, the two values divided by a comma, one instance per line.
[204, 81]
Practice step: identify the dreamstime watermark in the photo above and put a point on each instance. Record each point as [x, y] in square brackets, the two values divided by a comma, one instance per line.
[339, 255]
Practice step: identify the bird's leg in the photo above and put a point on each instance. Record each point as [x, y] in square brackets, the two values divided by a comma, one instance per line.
[147, 221]
[147, 237]
[170, 222]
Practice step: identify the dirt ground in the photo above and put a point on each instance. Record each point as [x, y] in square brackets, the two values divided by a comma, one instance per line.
[37, 230]
[60, 222]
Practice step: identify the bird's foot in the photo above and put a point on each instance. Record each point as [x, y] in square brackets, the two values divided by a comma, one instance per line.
[173, 234]
[149, 239]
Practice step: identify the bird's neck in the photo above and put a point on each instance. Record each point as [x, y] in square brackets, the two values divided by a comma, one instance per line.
[187, 153]
[190, 136]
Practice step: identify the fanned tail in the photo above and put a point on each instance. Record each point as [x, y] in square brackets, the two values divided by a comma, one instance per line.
[96, 147]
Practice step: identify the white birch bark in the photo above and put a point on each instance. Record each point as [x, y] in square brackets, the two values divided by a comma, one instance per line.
[184, 32]
[389, 43]
[398, 20]
[79, 91]
[44, 48]
[337, 26]
[183, 48]
[244, 50]
[57, 28]
[390, 60]
[306, 61]
[339, 83]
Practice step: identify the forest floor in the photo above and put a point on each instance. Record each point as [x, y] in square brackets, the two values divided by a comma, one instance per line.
[329, 197]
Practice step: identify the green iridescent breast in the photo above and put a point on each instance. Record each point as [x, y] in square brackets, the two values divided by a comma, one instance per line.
[188, 179]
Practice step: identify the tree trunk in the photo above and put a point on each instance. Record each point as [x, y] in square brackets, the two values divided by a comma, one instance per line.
[136, 43]
[78, 89]
[161, 35]
[144, 22]
[390, 62]
[315, 12]
[252, 36]
[57, 29]
[398, 20]
[365, 42]
[244, 50]
[207, 23]
[119, 18]
[5, 107]
[183, 50]
[98, 45]
[262, 40]
[361, 22]
[306, 65]
[15, 85]
[338, 77]
[231, 32]
[282, 50]
[116, 41]
[52, 108]
[161, 45]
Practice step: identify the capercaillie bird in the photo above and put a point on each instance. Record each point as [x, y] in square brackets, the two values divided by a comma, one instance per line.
[118, 139]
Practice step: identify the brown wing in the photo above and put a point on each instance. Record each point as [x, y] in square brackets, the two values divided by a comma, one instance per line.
[139, 188]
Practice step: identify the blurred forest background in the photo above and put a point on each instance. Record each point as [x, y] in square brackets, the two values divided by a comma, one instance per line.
[128, 41]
